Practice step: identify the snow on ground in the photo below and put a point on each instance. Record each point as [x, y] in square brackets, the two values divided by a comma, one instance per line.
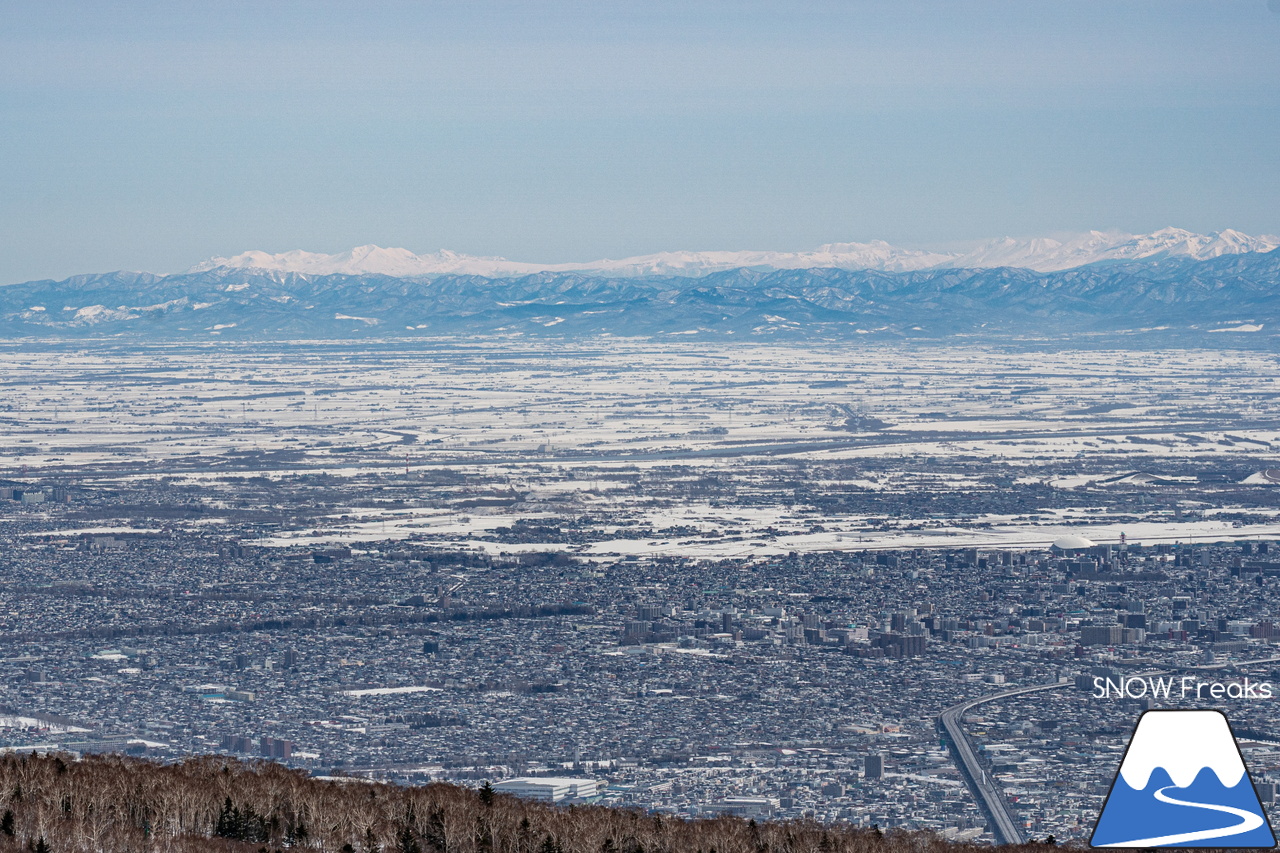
[14, 721]
[564, 430]
[388, 691]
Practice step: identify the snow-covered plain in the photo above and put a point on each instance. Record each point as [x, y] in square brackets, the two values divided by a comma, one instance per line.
[631, 447]
[16, 721]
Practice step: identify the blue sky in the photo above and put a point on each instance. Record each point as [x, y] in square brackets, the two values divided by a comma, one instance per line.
[153, 135]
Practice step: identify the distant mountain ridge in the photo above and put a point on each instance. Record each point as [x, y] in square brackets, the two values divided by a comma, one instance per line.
[1040, 254]
[1232, 293]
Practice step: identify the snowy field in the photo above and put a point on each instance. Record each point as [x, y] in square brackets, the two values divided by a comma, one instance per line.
[696, 449]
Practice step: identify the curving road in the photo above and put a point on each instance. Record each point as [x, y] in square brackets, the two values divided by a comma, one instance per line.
[984, 788]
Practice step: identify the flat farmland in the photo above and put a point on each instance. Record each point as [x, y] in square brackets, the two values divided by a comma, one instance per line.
[624, 447]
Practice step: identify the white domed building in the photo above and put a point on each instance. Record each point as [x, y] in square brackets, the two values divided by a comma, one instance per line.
[1072, 544]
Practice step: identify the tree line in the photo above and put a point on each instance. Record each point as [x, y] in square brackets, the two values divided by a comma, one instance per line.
[214, 804]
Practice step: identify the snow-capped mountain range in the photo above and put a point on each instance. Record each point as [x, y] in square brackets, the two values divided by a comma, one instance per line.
[1043, 254]
[1232, 296]
[1183, 743]
[1168, 283]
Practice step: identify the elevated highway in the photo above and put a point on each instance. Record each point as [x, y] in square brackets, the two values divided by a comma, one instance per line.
[985, 789]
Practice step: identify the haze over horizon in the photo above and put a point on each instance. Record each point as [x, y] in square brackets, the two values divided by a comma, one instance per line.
[149, 137]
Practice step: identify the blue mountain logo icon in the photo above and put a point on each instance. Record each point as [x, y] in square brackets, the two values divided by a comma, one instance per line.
[1183, 783]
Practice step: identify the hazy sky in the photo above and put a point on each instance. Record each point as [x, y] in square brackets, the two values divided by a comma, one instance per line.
[153, 135]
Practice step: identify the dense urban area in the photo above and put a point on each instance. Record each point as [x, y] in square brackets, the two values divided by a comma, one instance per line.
[862, 586]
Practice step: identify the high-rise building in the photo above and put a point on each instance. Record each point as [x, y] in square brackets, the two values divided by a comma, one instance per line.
[1101, 635]
[873, 767]
[269, 747]
[237, 743]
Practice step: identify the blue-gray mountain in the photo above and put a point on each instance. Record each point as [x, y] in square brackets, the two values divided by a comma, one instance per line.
[1183, 296]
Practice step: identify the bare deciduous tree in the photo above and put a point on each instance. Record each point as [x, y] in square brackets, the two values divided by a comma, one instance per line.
[112, 804]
